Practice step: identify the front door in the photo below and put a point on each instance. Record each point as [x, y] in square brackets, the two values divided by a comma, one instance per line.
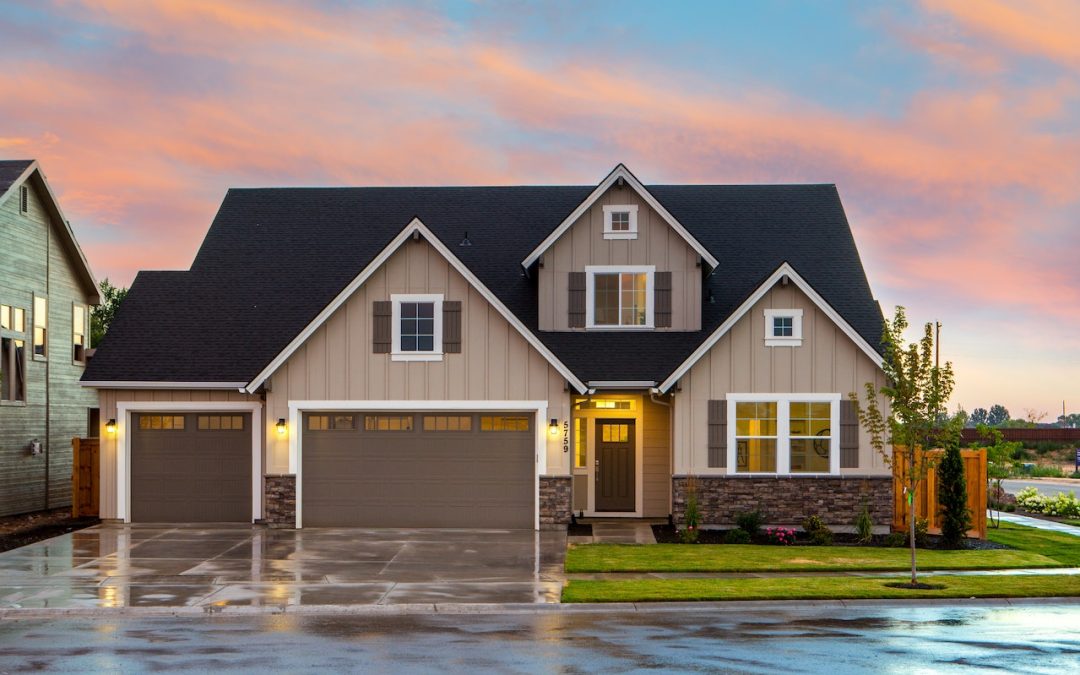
[615, 466]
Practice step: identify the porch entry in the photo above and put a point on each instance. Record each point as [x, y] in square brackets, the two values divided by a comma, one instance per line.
[615, 470]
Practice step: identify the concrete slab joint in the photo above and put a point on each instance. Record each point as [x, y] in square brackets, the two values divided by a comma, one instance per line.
[279, 491]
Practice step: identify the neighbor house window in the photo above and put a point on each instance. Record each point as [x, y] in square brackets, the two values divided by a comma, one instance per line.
[12, 354]
[783, 327]
[619, 297]
[41, 327]
[417, 326]
[78, 333]
[783, 433]
[620, 222]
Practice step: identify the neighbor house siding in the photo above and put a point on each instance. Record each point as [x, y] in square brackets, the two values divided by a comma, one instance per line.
[828, 361]
[584, 244]
[338, 361]
[34, 261]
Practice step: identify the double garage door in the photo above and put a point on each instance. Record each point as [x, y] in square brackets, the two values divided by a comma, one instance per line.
[418, 469]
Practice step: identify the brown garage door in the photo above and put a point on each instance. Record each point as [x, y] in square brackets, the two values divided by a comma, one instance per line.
[190, 467]
[418, 470]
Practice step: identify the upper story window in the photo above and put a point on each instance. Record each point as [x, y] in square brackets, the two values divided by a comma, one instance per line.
[41, 327]
[417, 327]
[783, 327]
[78, 333]
[620, 222]
[619, 297]
[12, 354]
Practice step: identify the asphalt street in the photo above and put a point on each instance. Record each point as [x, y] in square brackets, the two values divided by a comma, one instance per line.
[792, 639]
[1045, 487]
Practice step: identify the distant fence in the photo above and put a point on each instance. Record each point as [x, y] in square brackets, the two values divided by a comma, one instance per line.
[1037, 435]
[84, 477]
[926, 500]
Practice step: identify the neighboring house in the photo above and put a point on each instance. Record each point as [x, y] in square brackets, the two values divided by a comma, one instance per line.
[498, 357]
[46, 291]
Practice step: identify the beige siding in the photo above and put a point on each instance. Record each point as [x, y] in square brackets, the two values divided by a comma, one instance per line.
[656, 460]
[584, 244]
[496, 363]
[827, 362]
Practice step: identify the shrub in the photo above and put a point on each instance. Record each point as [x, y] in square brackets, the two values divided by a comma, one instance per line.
[821, 537]
[780, 535]
[750, 522]
[1044, 471]
[864, 526]
[1063, 504]
[952, 497]
[813, 523]
[689, 534]
[819, 532]
[896, 540]
[738, 536]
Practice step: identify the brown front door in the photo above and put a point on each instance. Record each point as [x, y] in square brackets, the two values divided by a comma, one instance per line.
[615, 469]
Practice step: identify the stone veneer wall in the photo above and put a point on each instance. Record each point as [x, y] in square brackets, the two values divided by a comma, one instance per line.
[786, 501]
[280, 500]
[555, 501]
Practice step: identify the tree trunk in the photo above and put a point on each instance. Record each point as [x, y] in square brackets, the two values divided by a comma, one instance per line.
[911, 534]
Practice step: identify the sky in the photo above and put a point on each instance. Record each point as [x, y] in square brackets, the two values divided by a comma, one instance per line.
[951, 129]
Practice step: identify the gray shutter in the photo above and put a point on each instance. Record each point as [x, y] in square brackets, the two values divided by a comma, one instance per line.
[718, 434]
[382, 333]
[849, 435]
[451, 326]
[662, 300]
[576, 316]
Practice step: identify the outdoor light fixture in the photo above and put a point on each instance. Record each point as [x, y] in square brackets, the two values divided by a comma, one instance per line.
[110, 426]
[282, 427]
[553, 428]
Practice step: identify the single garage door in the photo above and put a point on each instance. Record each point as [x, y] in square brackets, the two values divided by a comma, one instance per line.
[418, 470]
[190, 467]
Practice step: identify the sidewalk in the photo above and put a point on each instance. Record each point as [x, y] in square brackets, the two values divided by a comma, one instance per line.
[1040, 524]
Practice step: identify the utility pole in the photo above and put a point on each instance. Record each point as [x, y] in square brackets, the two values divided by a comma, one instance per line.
[937, 344]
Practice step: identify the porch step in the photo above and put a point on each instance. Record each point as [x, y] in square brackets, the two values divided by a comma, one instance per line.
[622, 532]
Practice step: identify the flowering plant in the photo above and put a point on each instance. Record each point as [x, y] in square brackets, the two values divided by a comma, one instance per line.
[781, 536]
[1064, 504]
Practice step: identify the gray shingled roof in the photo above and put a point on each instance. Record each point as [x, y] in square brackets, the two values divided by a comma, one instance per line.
[10, 170]
[275, 257]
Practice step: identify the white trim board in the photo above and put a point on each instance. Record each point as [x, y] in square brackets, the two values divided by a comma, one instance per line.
[415, 226]
[123, 444]
[784, 270]
[297, 408]
[139, 384]
[620, 171]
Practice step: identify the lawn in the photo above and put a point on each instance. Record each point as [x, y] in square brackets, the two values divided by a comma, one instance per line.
[815, 588]
[1063, 548]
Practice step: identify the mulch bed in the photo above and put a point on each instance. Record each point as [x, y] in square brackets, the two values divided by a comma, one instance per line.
[28, 528]
[667, 534]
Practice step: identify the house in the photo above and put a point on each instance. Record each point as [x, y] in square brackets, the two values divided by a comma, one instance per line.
[498, 357]
[46, 291]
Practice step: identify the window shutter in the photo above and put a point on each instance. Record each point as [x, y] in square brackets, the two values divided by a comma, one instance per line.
[718, 434]
[382, 332]
[576, 317]
[451, 326]
[849, 435]
[662, 301]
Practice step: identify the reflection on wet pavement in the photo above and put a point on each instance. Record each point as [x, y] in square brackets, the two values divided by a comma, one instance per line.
[130, 566]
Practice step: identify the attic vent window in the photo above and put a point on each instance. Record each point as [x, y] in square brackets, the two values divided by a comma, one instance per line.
[783, 327]
[24, 199]
[620, 221]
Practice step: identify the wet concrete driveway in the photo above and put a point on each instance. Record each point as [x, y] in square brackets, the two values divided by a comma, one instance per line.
[219, 566]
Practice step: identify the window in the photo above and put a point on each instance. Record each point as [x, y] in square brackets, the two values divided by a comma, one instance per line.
[12, 354]
[614, 433]
[12, 319]
[78, 333]
[41, 323]
[783, 433]
[581, 443]
[448, 422]
[783, 327]
[603, 404]
[620, 222]
[388, 423]
[161, 422]
[221, 422]
[619, 297]
[504, 423]
[417, 326]
[331, 422]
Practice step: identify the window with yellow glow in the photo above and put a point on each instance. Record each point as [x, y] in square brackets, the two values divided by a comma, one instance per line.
[581, 443]
[755, 437]
[811, 436]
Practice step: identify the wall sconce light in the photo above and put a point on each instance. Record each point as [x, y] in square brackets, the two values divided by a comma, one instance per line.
[282, 427]
[110, 426]
[553, 428]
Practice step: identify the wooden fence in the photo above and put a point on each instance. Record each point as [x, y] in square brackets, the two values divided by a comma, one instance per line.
[84, 477]
[926, 498]
[1040, 434]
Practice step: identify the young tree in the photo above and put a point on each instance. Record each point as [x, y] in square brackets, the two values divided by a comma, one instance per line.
[999, 456]
[917, 389]
[952, 497]
[997, 416]
[101, 317]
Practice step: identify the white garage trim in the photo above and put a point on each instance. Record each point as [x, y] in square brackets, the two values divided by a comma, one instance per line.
[297, 408]
[123, 444]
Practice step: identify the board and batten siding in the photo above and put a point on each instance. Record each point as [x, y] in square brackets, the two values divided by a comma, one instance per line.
[828, 361]
[495, 363]
[584, 244]
[35, 260]
[656, 459]
[108, 399]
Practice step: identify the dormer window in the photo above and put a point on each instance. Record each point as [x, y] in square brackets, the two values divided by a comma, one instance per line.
[620, 222]
[619, 297]
[783, 327]
[417, 327]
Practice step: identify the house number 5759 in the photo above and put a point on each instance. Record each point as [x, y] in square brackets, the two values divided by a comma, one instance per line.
[566, 436]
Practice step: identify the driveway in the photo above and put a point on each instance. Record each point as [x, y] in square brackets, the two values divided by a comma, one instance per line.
[218, 566]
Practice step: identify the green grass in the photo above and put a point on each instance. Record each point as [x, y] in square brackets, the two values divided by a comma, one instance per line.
[1072, 521]
[815, 588]
[750, 558]
[1063, 548]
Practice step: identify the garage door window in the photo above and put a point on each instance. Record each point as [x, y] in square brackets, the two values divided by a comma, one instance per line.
[221, 422]
[162, 422]
[331, 422]
[448, 422]
[504, 423]
[388, 423]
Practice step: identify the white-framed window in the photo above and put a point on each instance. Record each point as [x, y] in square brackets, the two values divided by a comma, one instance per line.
[785, 434]
[619, 297]
[12, 355]
[79, 331]
[783, 327]
[417, 327]
[41, 327]
[620, 221]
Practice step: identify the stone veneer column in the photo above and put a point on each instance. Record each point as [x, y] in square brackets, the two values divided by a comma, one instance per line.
[280, 503]
[555, 502]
